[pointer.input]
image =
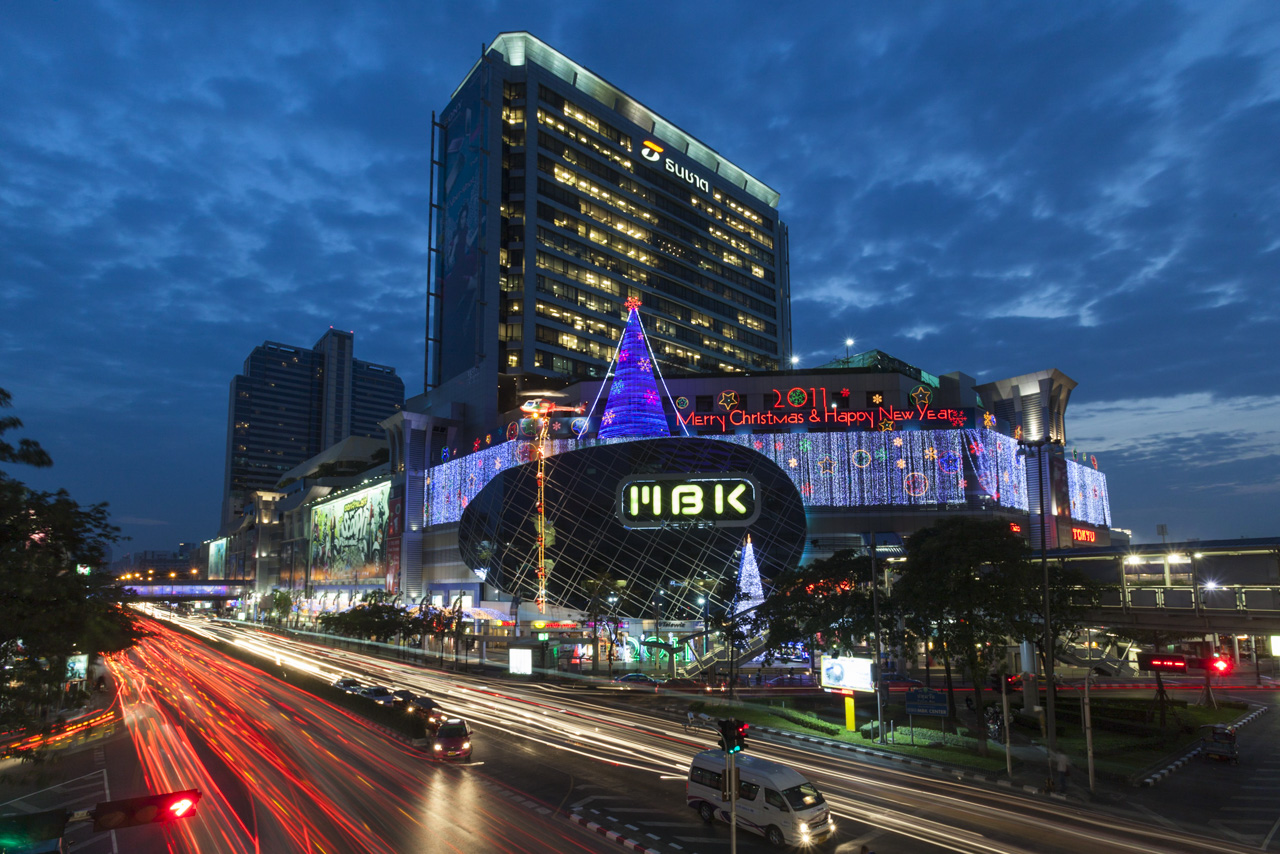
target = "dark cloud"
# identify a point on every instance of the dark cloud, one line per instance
(993, 190)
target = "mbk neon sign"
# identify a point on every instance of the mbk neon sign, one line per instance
(660, 501)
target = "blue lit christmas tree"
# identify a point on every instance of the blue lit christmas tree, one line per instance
(750, 590)
(635, 407)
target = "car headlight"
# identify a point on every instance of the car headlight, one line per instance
(804, 828)
(466, 745)
(437, 747)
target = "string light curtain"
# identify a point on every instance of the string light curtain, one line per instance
(842, 470)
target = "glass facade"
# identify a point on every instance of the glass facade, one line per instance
(597, 199)
(663, 569)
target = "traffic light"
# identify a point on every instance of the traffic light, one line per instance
(1162, 663)
(728, 732)
(739, 737)
(21, 831)
(1218, 666)
(148, 809)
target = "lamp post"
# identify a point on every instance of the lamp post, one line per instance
(848, 342)
(875, 671)
(1041, 474)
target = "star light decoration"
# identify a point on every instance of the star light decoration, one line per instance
(827, 466)
(728, 399)
(877, 399)
(921, 396)
(931, 453)
(886, 425)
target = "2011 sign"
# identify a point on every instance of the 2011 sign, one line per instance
(728, 500)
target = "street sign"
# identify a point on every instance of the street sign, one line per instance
(926, 701)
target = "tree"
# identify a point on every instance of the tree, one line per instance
(601, 587)
(964, 577)
(378, 620)
(49, 610)
(1071, 595)
(824, 605)
(1156, 640)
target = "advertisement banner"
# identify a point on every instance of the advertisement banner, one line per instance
(217, 559)
(847, 673)
(463, 142)
(349, 538)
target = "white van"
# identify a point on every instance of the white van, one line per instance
(774, 801)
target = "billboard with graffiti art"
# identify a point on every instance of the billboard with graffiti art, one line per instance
(348, 538)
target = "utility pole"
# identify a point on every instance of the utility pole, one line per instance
(875, 611)
(1042, 473)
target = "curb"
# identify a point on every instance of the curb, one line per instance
(612, 835)
(949, 770)
(1156, 777)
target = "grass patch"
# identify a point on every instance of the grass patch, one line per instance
(948, 748)
(1125, 754)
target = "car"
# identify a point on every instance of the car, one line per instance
(895, 683)
(380, 694)
(637, 680)
(692, 686)
(452, 740)
(417, 704)
(793, 680)
(346, 683)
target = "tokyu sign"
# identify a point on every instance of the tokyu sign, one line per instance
(682, 500)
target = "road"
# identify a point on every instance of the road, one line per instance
(282, 771)
(623, 767)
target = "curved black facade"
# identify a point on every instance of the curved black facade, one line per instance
(497, 534)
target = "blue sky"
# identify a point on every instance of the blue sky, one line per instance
(994, 188)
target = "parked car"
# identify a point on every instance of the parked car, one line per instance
(452, 740)
(346, 683)
(380, 694)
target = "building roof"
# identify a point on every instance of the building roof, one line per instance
(518, 48)
(353, 449)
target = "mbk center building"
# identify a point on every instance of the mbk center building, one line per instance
(606, 418)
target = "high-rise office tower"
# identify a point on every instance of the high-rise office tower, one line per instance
(558, 197)
(291, 403)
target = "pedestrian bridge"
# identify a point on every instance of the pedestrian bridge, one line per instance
(1199, 586)
(190, 591)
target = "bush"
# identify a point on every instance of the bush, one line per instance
(808, 723)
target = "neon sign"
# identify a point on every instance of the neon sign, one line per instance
(1084, 535)
(810, 405)
(1015, 527)
(679, 500)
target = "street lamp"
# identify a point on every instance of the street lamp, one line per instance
(795, 360)
(848, 342)
(1042, 472)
